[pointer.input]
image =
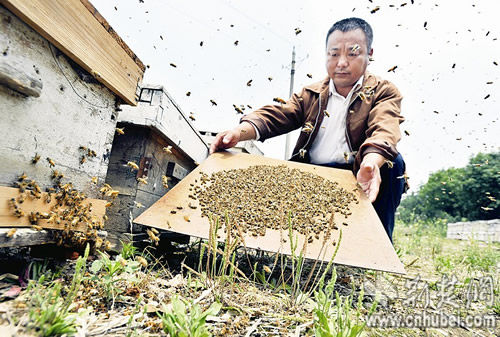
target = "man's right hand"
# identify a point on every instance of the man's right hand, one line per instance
(225, 140)
(228, 139)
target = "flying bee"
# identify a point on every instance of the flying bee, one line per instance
(269, 78)
(407, 133)
(309, 75)
(236, 42)
(173, 65)
(238, 109)
(191, 117)
(279, 100)
(393, 69)
(298, 31)
(214, 103)
(389, 163)
(120, 131)
(355, 48)
(143, 180)
(133, 165)
(267, 269)
(152, 236)
(308, 128)
(11, 232)
(377, 9)
(138, 204)
(35, 159)
(302, 153)
(112, 193)
(486, 208)
(168, 149)
(249, 83)
(51, 162)
(327, 114)
(346, 157)
(155, 231)
(188, 93)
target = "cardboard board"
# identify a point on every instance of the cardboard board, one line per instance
(364, 241)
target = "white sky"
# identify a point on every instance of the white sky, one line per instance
(164, 32)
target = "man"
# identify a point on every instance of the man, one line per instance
(350, 120)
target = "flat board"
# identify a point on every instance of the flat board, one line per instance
(70, 26)
(8, 219)
(364, 241)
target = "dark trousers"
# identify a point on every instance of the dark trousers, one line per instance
(389, 195)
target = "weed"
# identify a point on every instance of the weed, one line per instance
(178, 322)
(128, 250)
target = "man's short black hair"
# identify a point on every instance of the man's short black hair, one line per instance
(346, 25)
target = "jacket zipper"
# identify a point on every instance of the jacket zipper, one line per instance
(315, 124)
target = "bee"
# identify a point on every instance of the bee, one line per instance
(94, 180)
(11, 232)
(138, 204)
(279, 100)
(82, 148)
(425, 24)
(389, 163)
(48, 198)
(168, 149)
(298, 31)
(373, 11)
(191, 117)
(35, 159)
(236, 42)
(188, 93)
(238, 109)
(164, 181)
(345, 224)
(249, 83)
(326, 113)
(91, 153)
(487, 96)
(486, 208)
(191, 206)
(173, 65)
(120, 131)
(407, 133)
(346, 157)
(22, 177)
(108, 204)
(143, 180)
(132, 165)
(142, 261)
(269, 78)
(18, 212)
(98, 242)
(309, 75)
(107, 245)
(393, 69)
(21, 198)
(112, 193)
(152, 236)
(267, 269)
(214, 103)
(308, 128)
(51, 162)
(36, 227)
(302, 153)
(201, 43)
(154, 230)
(355, 48)
(83, 159)
(173, 211)
(362, 95)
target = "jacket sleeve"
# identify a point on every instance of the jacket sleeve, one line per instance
(278, 119)
(383, 132)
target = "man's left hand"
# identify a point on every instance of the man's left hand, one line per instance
(369, 175)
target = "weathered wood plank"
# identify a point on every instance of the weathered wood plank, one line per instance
(8, 219)
(19, 81)
(70, 26)
(23, 237)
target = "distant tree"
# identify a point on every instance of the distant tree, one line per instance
(471, 192)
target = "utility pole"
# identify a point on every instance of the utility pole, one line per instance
(292, 74)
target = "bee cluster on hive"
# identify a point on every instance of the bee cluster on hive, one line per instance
(262, 196)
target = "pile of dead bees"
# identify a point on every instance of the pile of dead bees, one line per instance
(264, 196)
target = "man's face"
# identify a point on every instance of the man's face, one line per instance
(346, 57)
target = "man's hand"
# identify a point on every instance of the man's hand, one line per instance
(369, 175)
(228, 139)
(225, 140)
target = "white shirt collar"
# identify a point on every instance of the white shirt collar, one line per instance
(358, 84)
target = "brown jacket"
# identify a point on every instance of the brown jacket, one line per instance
(372, 120)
